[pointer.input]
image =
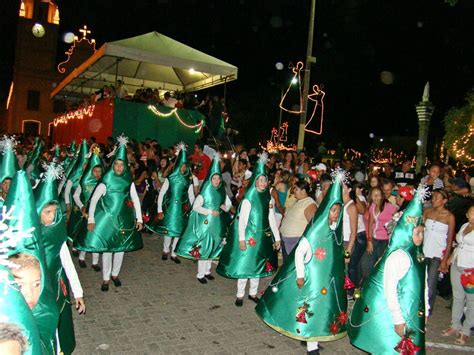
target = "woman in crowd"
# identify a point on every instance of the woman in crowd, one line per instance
(462, 276)
(297, 217)
(288, 163)
(279, 193)
(439, 234)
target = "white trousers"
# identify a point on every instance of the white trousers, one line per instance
(242, 283)
(95, 257)
(167, 244)
(107, 268)
(204, 268)
(312, 345)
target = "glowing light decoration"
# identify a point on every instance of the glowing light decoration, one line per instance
(10, 94)
(277, 137)
(174, 112)
(317, 96)
(296, 77)
(76, 41)
(74, 115)
(460, 144)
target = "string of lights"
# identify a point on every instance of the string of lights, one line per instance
(317, 96)
(74, 115)
(296, 78)
(174, 112)
(76, 41)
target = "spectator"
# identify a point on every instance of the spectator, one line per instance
(459, 201)
(121, 91)
(200, 161)
(169, 101)
(432, 181)
(405, 175)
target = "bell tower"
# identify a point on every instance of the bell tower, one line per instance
(29, 108)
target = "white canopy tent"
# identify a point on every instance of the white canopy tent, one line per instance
(152, 61)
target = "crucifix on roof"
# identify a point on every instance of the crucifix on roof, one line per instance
(85, 31)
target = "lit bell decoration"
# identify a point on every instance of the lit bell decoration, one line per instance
(324, 291)
(122, 232)
(348, 284)
(420, 257)
(421, 313)
(274, 289)
(407, 347)
(357, 294)
(206, 221)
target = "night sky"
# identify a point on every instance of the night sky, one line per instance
(355, 40)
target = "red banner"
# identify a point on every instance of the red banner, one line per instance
(94, 120)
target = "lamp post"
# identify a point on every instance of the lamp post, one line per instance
(307, 76)
(424, 110)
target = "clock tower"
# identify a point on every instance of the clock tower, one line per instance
(29, 108)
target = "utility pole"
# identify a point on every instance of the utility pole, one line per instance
(307, 76)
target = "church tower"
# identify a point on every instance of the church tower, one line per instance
(29, 108)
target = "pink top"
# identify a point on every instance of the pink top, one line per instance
(380, 219)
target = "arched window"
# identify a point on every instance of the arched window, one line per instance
(31, 127)
(26, 8)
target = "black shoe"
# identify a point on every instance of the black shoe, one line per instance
(104, 287)
(82, 264)
(254, 298)
(96, 267)
(203, 280)
(239, 302)
(176, 260)
(75, 252)
(209, 277)
(164, 257)
(313, 352)
(116, 281)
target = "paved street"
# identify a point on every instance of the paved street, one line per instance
(161, 308)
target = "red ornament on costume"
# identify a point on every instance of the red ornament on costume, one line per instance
(342, 318)
(268, 266)
(320, 254)
(348, 284)
(334, 328)
(196, 252)
(251, 242)
(129, 203)
(407, 347)
(185, 207)
(146, 218)
(313, 174)
(63, 286)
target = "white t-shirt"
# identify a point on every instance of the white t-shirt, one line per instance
(436, 237)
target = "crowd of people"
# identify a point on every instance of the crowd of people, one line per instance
(348, 232)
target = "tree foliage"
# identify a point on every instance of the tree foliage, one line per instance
(459, 128)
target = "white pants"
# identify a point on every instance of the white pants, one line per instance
(167, 244)
(312, 345)
(107, 268)
(242, 283)
(95, 257)
(204, 268)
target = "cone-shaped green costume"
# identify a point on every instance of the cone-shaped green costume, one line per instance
(371, 327)
(75, 177)
(46, 311)
(33, 164)
(259, 259)
(54, 237)
(15, 312)
(9, 165)
(176, 203)
(70, 160)
(115, 220)
(317, 311)
(202, 238)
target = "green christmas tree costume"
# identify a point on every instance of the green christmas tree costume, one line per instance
(33, 163)
(202, 238)
(176, 203)
(371, 327)
(68, 163)
(259, 259)
(115, 223)
(9, 163)
(318, 310)
(54, 237)
(13, 308)
(75, 218)
(45, 311)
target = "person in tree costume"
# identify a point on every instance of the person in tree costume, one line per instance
(8, 166)
(33, 164)
(114, 219)
(89, 180)
(24, 217)
(389, 313)
(68, 164)
(207, 225)
(58, 260)
(253, 238)
(306, 300)
(72, 182)
(174, 202)
(18, 329)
